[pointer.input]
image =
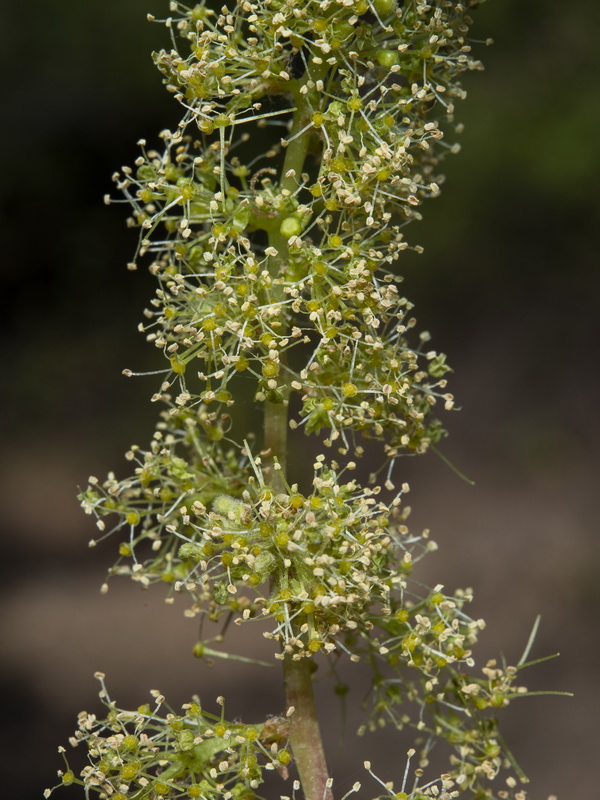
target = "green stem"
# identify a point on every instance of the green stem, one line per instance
(275, 427)
(297, 150)
(305, 733)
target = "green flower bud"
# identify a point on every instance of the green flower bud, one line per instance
(190, 552)
(384, 7)
(185, 739)
(290, 226)
(68, 778)
(229, 507)
(264, 565)
(388, 58)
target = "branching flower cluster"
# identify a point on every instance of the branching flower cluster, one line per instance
(272, 218)
(279, 276)
(195, 754)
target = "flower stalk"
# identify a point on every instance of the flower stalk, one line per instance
(305, 734)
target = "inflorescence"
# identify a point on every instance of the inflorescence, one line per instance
(272, 218)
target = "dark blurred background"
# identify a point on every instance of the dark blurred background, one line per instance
(508, 286)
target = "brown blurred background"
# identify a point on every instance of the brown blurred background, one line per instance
(508, 286)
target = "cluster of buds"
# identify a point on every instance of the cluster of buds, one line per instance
(272, 218)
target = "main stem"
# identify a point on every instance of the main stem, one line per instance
(305, 733)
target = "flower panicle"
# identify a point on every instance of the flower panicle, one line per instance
(273, 218)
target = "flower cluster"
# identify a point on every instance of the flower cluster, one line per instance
(142, 754)
(272, 218)
(283, 275)
(278, 281)
(313, 562)
(443, 699)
